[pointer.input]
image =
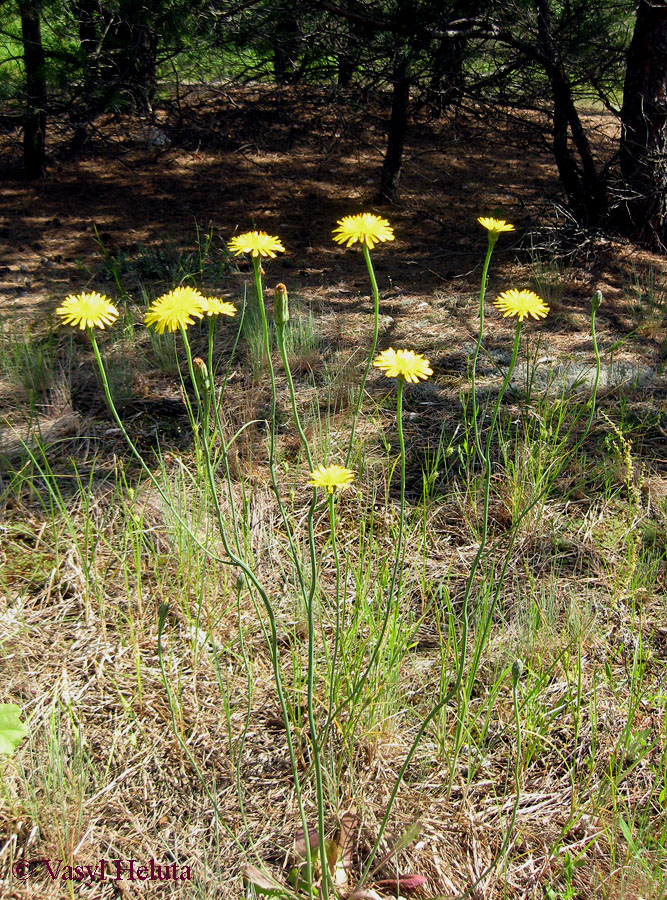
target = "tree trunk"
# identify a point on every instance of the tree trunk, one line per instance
(585, 187)
(34, 127)
(285, 47)
(398, 126)
(131, 58)
(447, 81)
(643, 150)
(346, 67)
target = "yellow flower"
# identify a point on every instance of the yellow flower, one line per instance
(403, 364)
(521, 304)
(366, 228)
(495, 226)
(259, 243)
(331, 477)
(175, 309)
(87, 310)
(215, 307)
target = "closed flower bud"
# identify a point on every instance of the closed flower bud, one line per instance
(517, 669)
(280, 305)
(596, 300)
(201, 374)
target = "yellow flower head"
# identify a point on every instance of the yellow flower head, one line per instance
(403, 364)
(521, 304)
(87, 310)
(215, 307)
(495, 226)
(258, 243)
(331, 477)
(175, 309)
(366, 228)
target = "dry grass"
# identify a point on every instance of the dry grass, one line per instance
(120, 765)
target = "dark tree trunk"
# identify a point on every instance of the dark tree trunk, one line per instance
(585, 187)
(34, 127)
(88, 15)
(346, 67)
(447, 82)
(643, 151)
(286, 47)
(132, 59)
(398, 126)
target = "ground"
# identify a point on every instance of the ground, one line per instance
(142, 206)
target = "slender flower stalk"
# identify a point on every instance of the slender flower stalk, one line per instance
(336, 646)
(333, 478)
(281, 317)
(374, 341)
(367, 230)
(455, 688)
(236, 560)
(494, 227)
(259, 244)
(399, 367)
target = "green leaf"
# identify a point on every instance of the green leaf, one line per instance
(627, 832)
(12, 730)
(408, 837)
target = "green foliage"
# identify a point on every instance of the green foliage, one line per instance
(12, 730)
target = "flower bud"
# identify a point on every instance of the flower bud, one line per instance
(201, 374)
(517, 669)
(280, 305)
(596, 300)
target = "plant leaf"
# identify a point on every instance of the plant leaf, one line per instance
(404, 882)
(349, 825)
(12, 730)
(263, 883)
(410, 835)
(300, 844)
(627, 832)
(331, 850)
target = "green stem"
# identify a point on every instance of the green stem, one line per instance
(310, 611)
(334, 655)
(280, 332)
(272, 425)
(139, 458)
(257, 268)
(492, 243)
(454, 690)
(369, 361)
(316, 747)
(250, 575)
